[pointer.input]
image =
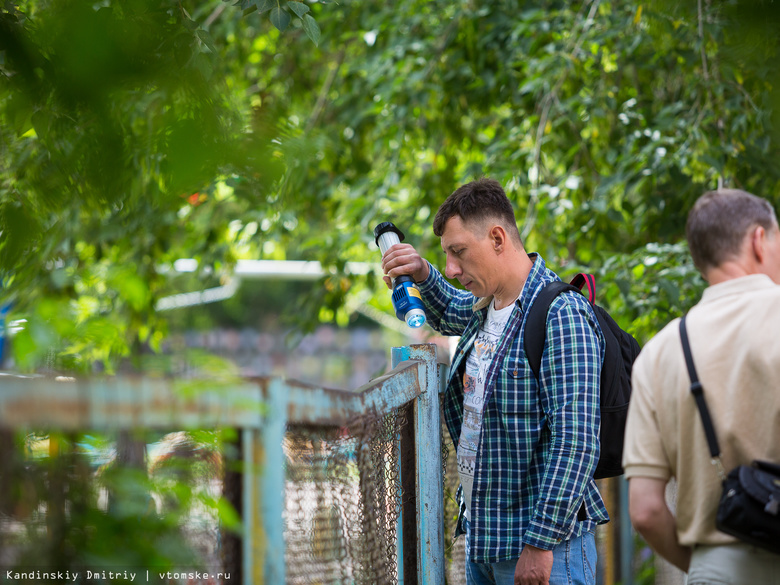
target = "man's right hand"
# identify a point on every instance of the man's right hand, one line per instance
(403, 259)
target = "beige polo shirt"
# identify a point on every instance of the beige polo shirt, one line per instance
(734, 333)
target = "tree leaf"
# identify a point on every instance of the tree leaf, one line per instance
(298, 8)
(311, 28)
(280, 18)
(206, 39)
(19, 230)
(264, 6)
(189, 23)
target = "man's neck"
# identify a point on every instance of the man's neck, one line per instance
(728, 271)
(518, 266)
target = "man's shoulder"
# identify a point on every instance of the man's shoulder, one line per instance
(570, 304)
(660, 345)
(571, 297)
(542, 276)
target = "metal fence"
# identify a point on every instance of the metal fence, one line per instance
(335, 486)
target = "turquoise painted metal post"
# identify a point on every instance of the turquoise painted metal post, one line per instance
(430, 478)
(251, 537)
(273, 475)
(264, 474)
(429, 472)
(398, 355)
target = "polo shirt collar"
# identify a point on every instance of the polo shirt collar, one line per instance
(737, 286)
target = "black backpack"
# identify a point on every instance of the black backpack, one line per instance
(615, 388)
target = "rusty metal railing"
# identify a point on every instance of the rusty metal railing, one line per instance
(262, 409)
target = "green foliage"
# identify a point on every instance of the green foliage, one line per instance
(650, 287)
(102, 516)
(644, 571)
(170, 130)
(123, 155)
(280, 14)
(605, 121)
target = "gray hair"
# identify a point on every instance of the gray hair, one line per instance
(720, 220)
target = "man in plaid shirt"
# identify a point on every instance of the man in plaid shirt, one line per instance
(526, 448)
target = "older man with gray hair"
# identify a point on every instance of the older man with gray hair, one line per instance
(734, 240)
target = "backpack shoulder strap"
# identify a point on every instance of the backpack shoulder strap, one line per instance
(586, 280)
(535, 333)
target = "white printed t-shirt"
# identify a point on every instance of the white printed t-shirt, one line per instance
(477, 365)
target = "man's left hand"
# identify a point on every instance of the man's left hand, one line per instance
(534, 566)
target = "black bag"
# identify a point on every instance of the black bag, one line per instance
(615, 386)
(749, 506)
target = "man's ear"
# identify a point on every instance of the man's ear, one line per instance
(758, 244)
(498, 237)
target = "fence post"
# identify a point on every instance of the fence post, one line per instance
(430, 478)
(264, 475)
(406, 527)
(626, 535)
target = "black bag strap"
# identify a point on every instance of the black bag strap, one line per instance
(698, 393)
(536, 323)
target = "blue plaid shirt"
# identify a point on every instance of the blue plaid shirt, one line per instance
(539, 443)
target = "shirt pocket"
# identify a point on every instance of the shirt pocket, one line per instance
(517, 394)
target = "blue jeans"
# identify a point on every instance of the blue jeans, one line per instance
(574, 563)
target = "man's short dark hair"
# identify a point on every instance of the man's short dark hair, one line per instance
(720, 220)
(478, 201)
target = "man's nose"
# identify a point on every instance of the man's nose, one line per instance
(452, 269)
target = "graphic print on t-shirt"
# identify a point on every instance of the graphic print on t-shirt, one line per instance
(477, 366)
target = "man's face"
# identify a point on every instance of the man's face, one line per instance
(470, 256)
